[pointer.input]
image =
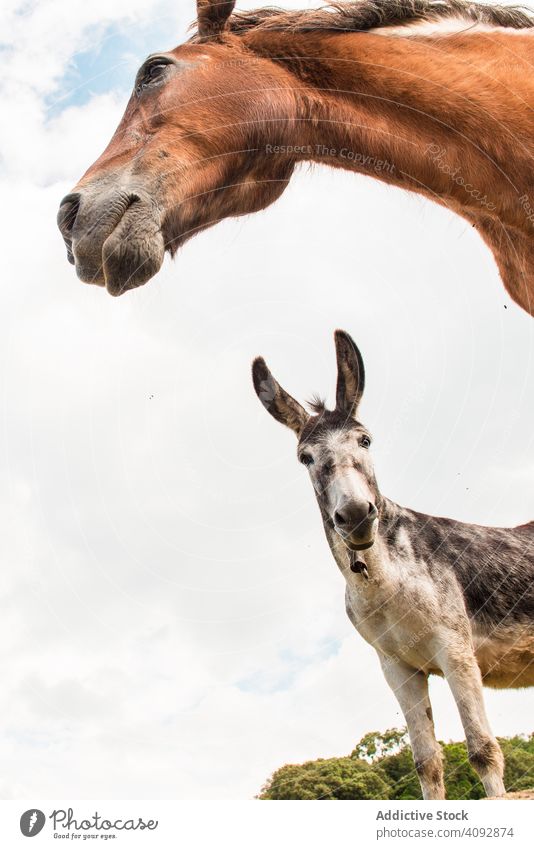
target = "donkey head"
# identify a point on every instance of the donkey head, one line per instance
(186, 154)
(333, 445)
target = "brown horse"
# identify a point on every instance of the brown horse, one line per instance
(434, 97)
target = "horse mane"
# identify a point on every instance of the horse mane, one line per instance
(373, 14)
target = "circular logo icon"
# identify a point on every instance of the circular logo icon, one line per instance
(32, 822)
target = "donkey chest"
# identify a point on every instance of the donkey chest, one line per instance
(397, 619)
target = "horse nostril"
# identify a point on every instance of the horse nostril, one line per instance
(68, 210)
(373, 512)
(339, 519)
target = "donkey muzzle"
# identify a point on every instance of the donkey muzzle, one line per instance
(355, 522)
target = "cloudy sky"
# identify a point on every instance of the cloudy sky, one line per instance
(172, 621)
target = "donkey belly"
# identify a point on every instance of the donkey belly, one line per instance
(506, 656)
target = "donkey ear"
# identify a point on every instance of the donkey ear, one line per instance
(276, 401)
(350, 374)
(212, 16)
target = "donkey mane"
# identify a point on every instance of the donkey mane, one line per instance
(371, 14)
(317, 405)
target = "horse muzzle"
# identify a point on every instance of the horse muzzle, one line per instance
(113, 238)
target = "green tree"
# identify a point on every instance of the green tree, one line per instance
(336, 778)
(399, 773)
(374, 745)
(392, 756)
(381, 767)
(519, 757)
(461, 781)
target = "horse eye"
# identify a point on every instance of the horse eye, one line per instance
(306, 459)
(365, 442)
(151, 73)
(154, 71)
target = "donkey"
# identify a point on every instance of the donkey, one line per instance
(432, 96)
(432, 596)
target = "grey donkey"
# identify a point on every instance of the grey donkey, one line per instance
(433, 596)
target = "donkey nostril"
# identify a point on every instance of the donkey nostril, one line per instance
(68, 210)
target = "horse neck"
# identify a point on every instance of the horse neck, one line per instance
(446, 119)
(398, 99)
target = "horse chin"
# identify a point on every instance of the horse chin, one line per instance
(87, 274)
(132, 254)
(121, 254)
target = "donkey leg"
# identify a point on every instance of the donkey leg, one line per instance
(411, 689)
(463, 676)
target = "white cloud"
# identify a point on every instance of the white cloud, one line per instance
(144, 654)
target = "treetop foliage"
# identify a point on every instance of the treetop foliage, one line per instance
(381, 767)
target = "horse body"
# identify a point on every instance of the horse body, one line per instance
(216, 127)
(433, 596)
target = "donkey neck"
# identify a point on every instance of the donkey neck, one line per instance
(446, 118)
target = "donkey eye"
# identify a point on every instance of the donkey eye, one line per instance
(365, 442)
(306, 459)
